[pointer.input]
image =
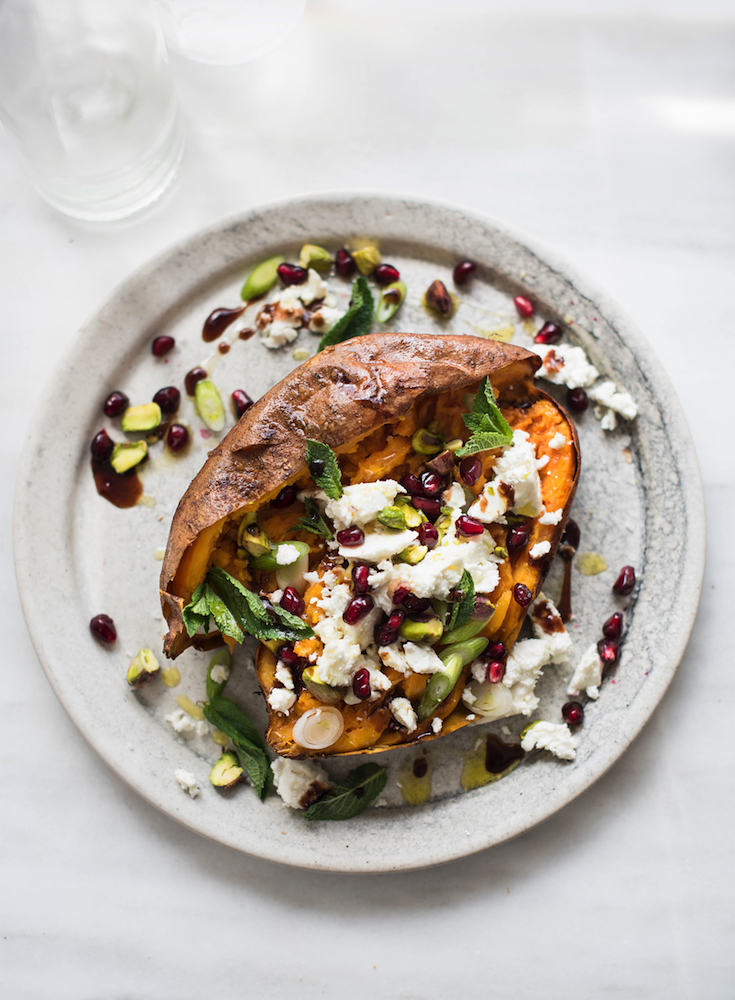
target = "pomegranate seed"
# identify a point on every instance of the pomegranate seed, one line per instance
(518, 537)
(286, 497)
(395, 620)
(613, 627)
(115, 404)
(177, 437)
(416, 605)
(316, 468)
(288, 656)
(522, 595)
(292, 601)
(411, 484)
(432, 508)
(495, 671)
(240, 402)
(292, 274)
(361, 683)
(386, 274)
(162, 345)
(351, 537)
(572, 713)
(609, 651)
(524, 307)
(104, 628)
(549, 333)
(357, 609)
(101, 447)
(470, 469)
(431, 484)
(577, 400)
(168, 399)
(469, 526)
(345, 264)
(386, 632)
(496, 651)
(625, 581)
(360, 575)
(463, 272)
(428, 534)
(400, 594)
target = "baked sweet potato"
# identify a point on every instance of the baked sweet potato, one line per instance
(381, 403)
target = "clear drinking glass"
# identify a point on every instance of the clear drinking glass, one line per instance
(87, 97)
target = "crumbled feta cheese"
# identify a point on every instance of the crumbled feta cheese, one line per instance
(281, 700)
(455, 496)
(564, 364)
(542, 462)
(361, 502)
(607, 395)
(393, 656)
(515, 484)
(551, 516)
(539, 549)
(558, 441)
(436, 725)
(379, 545)
(312, 289)
(187, 781)
(286, 554)
(479, 670)
(587, 674)
(523, 669)
(340, 659)
(422, 659)
(296, 781)
(556, 737)
(468, 697)
(558, 642)
(324, 319)
(275, 597)
(284, 675)
(277, 334)
(184, 724)
(220, 673)
(608, 421)
(404, 713)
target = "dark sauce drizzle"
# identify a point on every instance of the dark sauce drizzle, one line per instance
(217, 322)
(122, 491)
(499, 756)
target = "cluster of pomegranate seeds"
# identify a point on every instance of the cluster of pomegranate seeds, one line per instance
(360, 574)
(292, 601)
(524, 307)
(351, 537)
(292, 274)
(432, 508)
(496, 651)
(428, 534)
(469, 525)
(344, 264)
(101, 447)
(549, 333)
(361, 684)
(287, 655)
(357, 609)
(386, 274)
(495, 671)
(168, 399)
(518, 537)
(416, 605)
(609, 651)
(177, 437)
(162, 345)
(463, 272)
(470, 469)
(400, 594)
(522, 595)
(286, 497)
(613, 627)
(103, 627)
(572, 713)
(577, 400)
(115, 404)
(386, 632)
(625, 582)
(240, 402)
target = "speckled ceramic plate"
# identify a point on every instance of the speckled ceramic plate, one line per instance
(639, 502)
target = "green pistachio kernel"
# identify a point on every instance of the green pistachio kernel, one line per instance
(390, 301)
(367, 259)
(141, 418)
(143, 668)
(316, 257)
(261, 279)
(127, 455)
(426, 442)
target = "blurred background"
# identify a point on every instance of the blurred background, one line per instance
(605, 128)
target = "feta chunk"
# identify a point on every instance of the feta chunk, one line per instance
(558, 441)
(523, 669)
(551, 516)
(284, 675)
(281, 700)
(187, 781)
(436, 725)
(556, 737)
(379, 545)
(607, 395)
(539, 549)
(286, 554)
(299, 782)
(565, 364)
(608, 421)
(324, 319)
(277, 334)
(220, 673)
(588, 674)
(422, 659)
(515, 484)
(557, 639)
(404, 713)
(183, 723)
(361, 502)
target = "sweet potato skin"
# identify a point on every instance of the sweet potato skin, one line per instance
(340, 395)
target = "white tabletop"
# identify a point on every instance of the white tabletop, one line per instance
(605, 129)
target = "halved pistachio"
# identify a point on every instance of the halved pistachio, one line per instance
(422, 631)
(440, 300)
(251, 537)
(141, 418)
(324, 692)
(427, 442)
(227, 771)
(390, 301)
(127, 454)
(261, 279)
(143, 668)
(393, 517)
(316, 257)
(209, 404)
(367, 259)
(413, 554)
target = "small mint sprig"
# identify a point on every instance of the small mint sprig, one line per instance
(351, 795)
(489, 427)
(324, 468)
(356, 321)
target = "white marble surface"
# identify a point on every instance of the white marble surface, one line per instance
(606, 129)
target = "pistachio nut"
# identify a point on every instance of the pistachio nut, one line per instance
(413, 554)
(316, 257)
(390, 301)
(127, 455)
(227, 771)
(426, 442)
(251, 537)
(209, 404)
(422, 631)
(393, 517)
(324, 692)
(367, 259)
(143, 668)
(261, 279)
(141, 418)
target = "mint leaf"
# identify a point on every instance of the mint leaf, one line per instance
(356, 321)
(489, 427)
(196, 614)
(314, 520)
(330, 480)
(464, 602)
(252, 614)
(206, 604)
(231, 711)
(253, 758)
(351, 795)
